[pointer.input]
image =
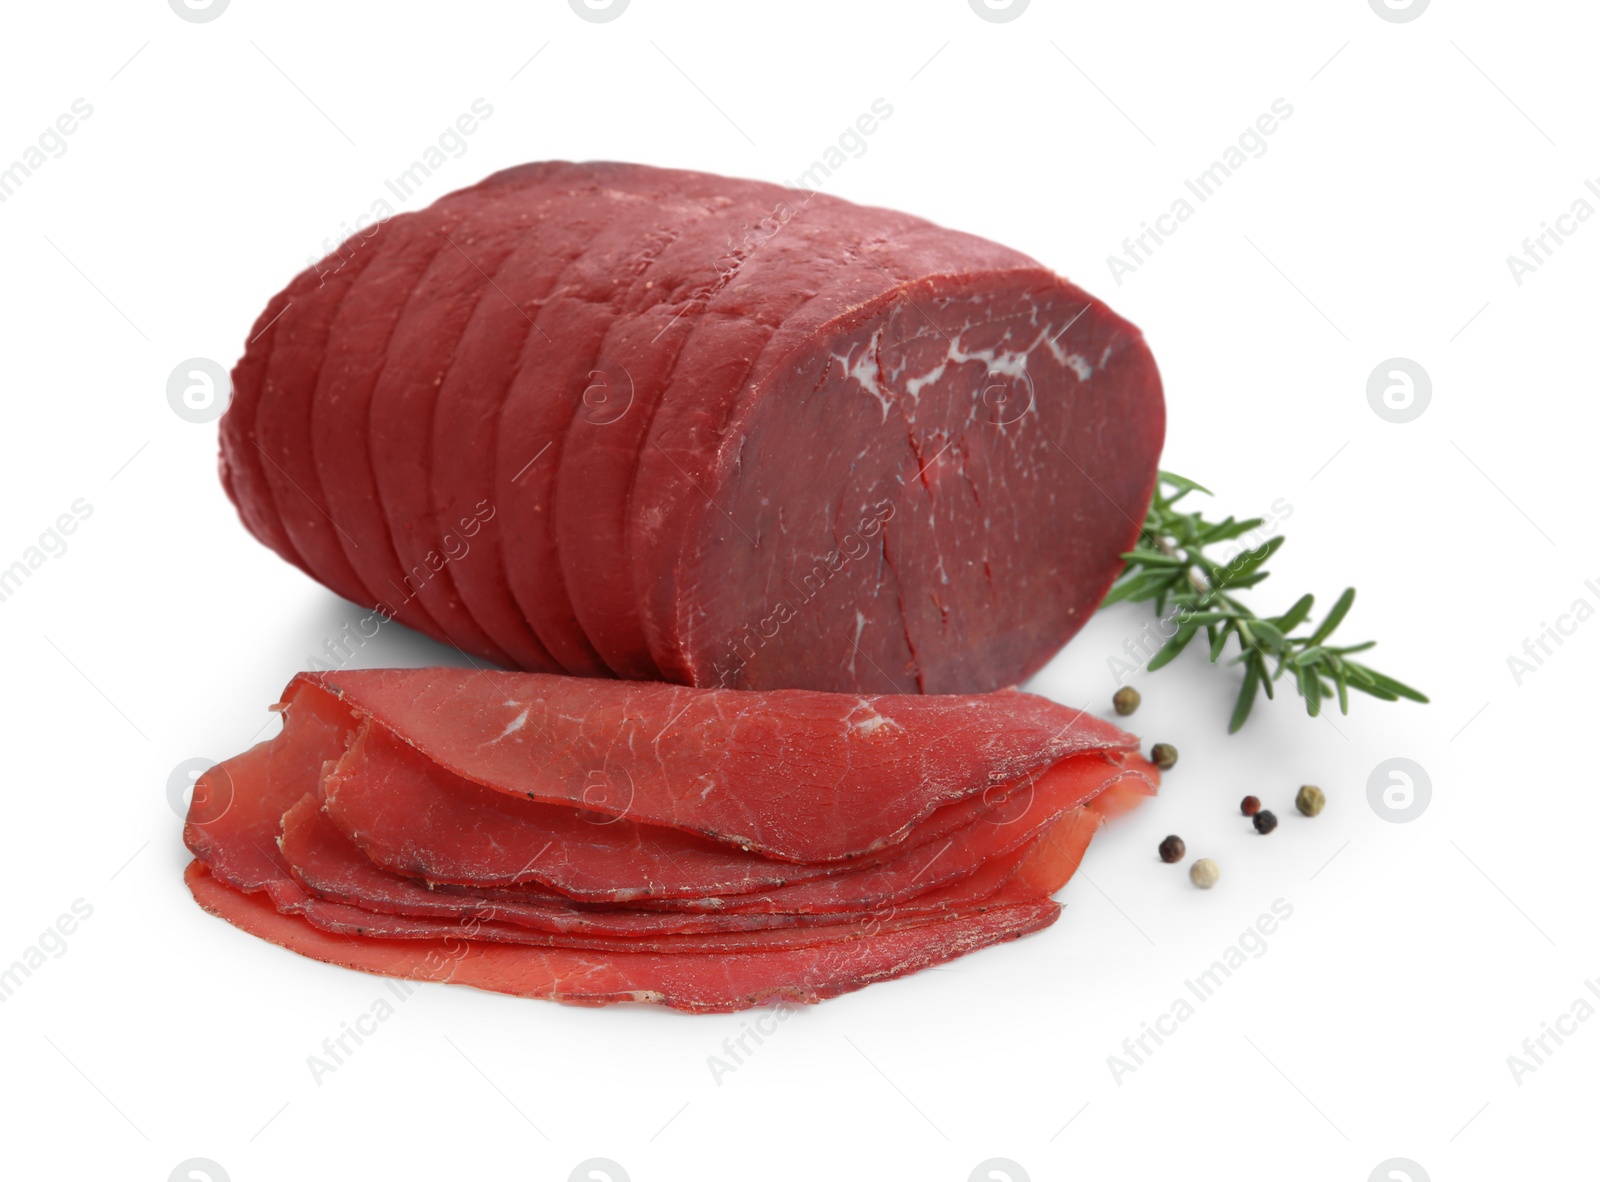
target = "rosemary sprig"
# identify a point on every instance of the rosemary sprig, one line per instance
(1170, 568)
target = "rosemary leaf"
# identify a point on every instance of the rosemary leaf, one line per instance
(1170, 568)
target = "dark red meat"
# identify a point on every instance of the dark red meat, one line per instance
(703, 429)
(984, 806)
(794, 774)
(707, 983)
(236, 812)
(416, 818)
(412, 817)
(328, 865)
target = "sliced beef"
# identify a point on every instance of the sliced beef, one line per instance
(326, 864)
(714, 431)
(878, 885)
(426, 342)
(417, 819)
(341, 826)
(351, 921)
(358, 348)
(651, 350)
(707, 984)
(241, 464)
(475, 421)
(605, 242)
(236, 812)
(793, 774)
(283, 420)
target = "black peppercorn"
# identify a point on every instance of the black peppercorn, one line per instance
(1265, 821)
(1172, 848)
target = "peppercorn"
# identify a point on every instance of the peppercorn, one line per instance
(1265, 822)
(1172, 848)
(1250, 806)
(1204, 874)
(1310, 800)
(1125, 700)
(1164, 755)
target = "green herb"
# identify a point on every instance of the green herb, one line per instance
(1170, 569)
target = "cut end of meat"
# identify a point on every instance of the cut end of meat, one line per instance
(980, 450)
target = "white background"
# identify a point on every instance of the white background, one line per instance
(220, 156)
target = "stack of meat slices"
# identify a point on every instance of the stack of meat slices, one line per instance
(595, 841)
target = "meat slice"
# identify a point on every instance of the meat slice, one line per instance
(1064, 787)
(462, 275)
(1046, 861)
(338, 827)
(357, 351)
(236, 812)
(283, 418)
(327, 865)
(704, 984)
(600, 233)
(240, 463)
(419, 820)
(351, 921)
(743, 436)
(630, 932)
(792, 774)
(500, 355)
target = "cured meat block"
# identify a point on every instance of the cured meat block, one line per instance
(616, 420)
(441, 824)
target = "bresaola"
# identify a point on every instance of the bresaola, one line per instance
(793, 774)
(612, 420)
(601, 422)
(472, 826)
